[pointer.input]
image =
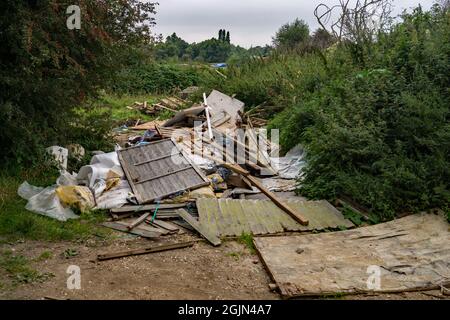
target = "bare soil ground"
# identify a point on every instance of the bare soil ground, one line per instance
(200, 272)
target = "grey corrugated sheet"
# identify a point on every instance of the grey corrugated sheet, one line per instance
(159, 186)
(228, 217)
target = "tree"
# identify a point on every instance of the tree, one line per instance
(227, 39)
(292, 35)
(222, 34)
(321, 39)
(47, 69)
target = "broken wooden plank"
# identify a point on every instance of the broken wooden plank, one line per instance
(410, 253)
(212, 238)
(138, 221)
(157, 105)
(162, 224)
(146, 250)
(145, 232)
(148, 207)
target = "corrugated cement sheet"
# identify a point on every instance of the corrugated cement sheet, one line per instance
(158, 170)
(228, 217)
(411, 253)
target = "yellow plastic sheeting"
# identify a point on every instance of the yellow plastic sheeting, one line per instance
(76, 197)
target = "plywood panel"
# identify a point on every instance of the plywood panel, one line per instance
(411, 253)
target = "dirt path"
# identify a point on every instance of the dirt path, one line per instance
(200, 272)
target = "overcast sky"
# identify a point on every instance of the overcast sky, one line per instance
(250, 22)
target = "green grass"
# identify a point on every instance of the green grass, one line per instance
(18, 223)
(19, 269)
(118, 106)
(234, 255)
(247, 240)
(45, 255)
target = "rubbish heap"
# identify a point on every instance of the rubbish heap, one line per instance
(211, 170)
(199, 169)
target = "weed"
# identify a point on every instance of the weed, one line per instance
(235, 255)
(45, 255)
(247, 240)
(352, 215)
(70, 253)
(18, 267)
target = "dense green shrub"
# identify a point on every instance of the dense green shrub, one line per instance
(376, 127)
(154, 78)
(47, 69)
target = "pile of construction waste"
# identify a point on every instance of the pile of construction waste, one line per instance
(211, 171)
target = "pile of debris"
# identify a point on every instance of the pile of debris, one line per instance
(194, 171)
(171, 104)
(211, 170)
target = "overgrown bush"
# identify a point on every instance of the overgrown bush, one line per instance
(375, 127)
(46, 69)
(154, 78)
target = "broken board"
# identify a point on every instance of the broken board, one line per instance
(142, 230)
(228, 217)
(158, 170)
(194, 223)
(410, 254)
(219, 102)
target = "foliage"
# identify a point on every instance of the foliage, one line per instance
(211, 50)
(247, 240)
(292, 35)
(375, 123)
(47, 69)
(154, 78)
(18, 267)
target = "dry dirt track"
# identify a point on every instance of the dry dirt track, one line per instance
(199, 272)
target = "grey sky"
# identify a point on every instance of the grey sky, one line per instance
(250, 22)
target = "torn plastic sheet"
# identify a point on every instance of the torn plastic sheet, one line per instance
(114, 198)
(291, 165)
(279, 185)
(98, 169)
(44, 201)
(60, 154)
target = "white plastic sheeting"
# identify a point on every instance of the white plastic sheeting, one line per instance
(98, 169)
(94, 176)
(45, 201)
(60, 155)
(291, 165)
(114, 198)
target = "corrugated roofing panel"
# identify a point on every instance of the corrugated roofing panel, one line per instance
(229, 217)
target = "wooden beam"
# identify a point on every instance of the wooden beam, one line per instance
(148, 207)
(138, 221)
(163, 175)
(146, 250)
